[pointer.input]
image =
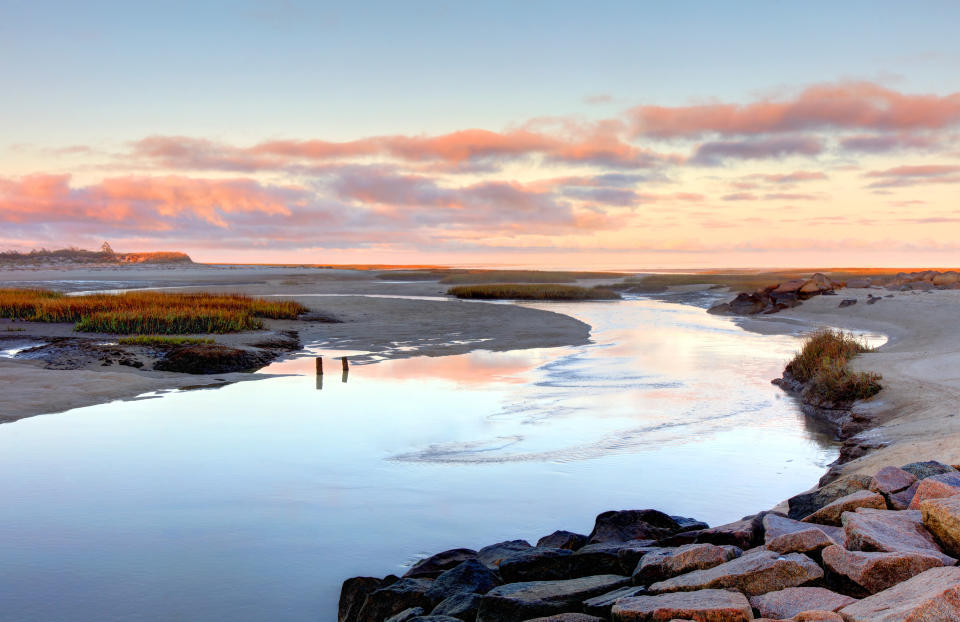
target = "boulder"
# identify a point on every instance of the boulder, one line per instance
(791, 286)
(522, 601)
(462, 606)
(470, 577)
(936, 487)
(631, 554)
(891, 479)
(902, 500)
(667, 563)
(744, 533)
(755, 572)
(793, 600)
(610, 557)
(562, 540)
(891, 531)
(777, 525)
(624, 525)
(406, 615)
(352, 595)
(858, 283)
(946, 279)
(492, 555)
(808, 541)
(433, 618)
(701, 605)
(862, 573)
(567, 617)
(923, 470)
(807, 503)
(931, 596)
(435, 565)
(392, 599)
(537, 564)
(689, 524)
(830, 513)
(746, 304)
(600, 605)
(941, 517)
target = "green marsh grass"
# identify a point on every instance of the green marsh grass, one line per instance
(822, 364)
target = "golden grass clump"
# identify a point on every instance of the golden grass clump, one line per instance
(513, 291)
(162, 341)
(822, 365)
(147, 312)
(523, 276)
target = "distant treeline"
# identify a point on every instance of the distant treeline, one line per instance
(81, 256)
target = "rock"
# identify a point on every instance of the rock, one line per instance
(902, 500)
(931, 596)
(791, 286)
(392, 599)
(891, 531)
(667, 563)
(858, 283)
(803, 505)
(809, 541)
(941, 517)
(462, 606)
(830, 513)
(847, 302)
(610, 557)
(689, 524)
(746, 304)
(793, 600)
(890, 479)
(936, 487)
(630, 554)
(470, 577)
(406, 615)
(873, 300)
(522, 601)
(212, 359)
(600, 605)
(352, 595)
(623, 525)
(701, 605)
(568, 617)
(946, 279)
(776, 526)
(435, 565)
(493, 554)
(536, 564)
(923, 470)
(563, 540)
(722, 308)
(813, 615)
(433, 618)
(745, 534)
(755, 572)
(862, 573)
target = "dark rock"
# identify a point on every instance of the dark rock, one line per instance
(435, 565)
(745, 534)
(747, 304)
(462, 606)
(623, 525)
(755, 572)
(902, 500)
(601, 605)
(722, 308)
(492, 555)
(890, 479)
(830, 513)
(803, 505)
(923, 470)
(212, 359)
(567, 617)
(406, 615)
(703, 605)
(536, 564)
(667, 563)
(931, 596)
(563, 540)
(787, 603)
(936, 487)
(392, 599)
(433, 618)
(522, 601)
(941, 517)
(469, 577)
(609, 557)
(352, 595)
(847, 302)
(631, 554)
(689, 524)
(861, 573)
(891, 531)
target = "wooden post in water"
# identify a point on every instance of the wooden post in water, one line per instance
(319, 365)
(346, 365)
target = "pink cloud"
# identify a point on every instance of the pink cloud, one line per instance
(900, 176)
(789, 178)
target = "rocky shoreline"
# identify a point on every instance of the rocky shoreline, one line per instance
(859, 549)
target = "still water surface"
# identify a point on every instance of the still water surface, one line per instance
(255, 500)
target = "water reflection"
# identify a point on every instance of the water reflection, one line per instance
(256, 500)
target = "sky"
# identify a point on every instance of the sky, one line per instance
(550, 134)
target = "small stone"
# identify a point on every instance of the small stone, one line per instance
(847, 302)
(492, 555)
(471, 577)
(941, 517)
(891, 479)
(623, 525)
(830, 513)
(923, 470)
(931, 596)
(891, 531)
(701, 605)
(862, 573)
(936, 487)
(562, 540)
(793, 600)
(756, 572)
(667, 563)
(435, 565)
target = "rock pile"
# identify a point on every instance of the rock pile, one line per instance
(778, 297)
(861, 549)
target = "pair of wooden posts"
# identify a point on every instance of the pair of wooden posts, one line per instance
(343, 377)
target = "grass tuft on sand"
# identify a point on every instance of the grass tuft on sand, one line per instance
(147, 313)
(822, 365)
(514, 291)
(162, 341)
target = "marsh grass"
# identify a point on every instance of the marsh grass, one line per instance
(147, 313)
(162, 341)
(523, 276)
(822, 364)
(516, 291)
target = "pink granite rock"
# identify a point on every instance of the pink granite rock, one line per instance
(793, 600)
(830, 514)
(931, 596)
(700, 605)
(864, 573)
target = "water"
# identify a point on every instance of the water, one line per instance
(255, 500)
